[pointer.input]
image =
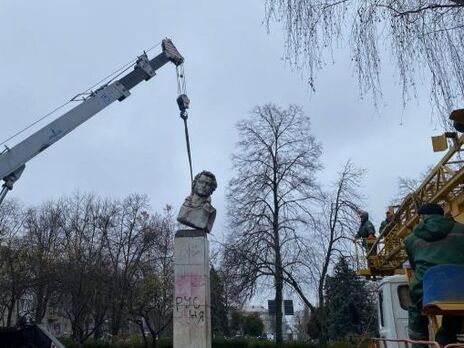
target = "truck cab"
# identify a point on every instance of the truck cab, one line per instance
(392, 307)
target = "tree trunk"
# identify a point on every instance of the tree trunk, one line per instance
(278, 256)
(278, 302)
(11, 306)
(10, 312)
(322, 318)
(98, 333)
(278, 266)
(322, 321)
(154, 342)
(142, 331)
(144, 337)
(116, 320)
(38, 306)
(43, 295)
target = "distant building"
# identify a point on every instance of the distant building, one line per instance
(54, 321)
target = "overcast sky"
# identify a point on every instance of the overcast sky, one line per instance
(52, 50)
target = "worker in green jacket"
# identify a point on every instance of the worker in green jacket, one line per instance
(388, 219)
(436, 240)
(366, 230)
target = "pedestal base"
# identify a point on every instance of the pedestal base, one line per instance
(192, 311)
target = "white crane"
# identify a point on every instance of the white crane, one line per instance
(13, 160)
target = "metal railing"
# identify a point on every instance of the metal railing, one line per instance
(375, 343)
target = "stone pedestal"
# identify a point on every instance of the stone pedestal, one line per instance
(192, 311)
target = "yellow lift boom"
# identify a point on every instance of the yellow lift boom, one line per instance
(444, 185)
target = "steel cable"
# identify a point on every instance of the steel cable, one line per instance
(117, 73)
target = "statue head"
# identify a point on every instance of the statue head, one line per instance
(204, 184)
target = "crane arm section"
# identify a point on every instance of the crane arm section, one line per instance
(13, 160)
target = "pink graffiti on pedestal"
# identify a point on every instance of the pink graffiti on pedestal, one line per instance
(190, 297)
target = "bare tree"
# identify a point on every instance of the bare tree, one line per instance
(11, 218)
(43, 239)
(89, 260)
(269, 197)
(424, 37)
(333, 235)
(126, 244)
(407, 186)
(151, 294)
(14, 268)
(83, 270)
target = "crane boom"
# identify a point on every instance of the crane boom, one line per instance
(13, 160)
